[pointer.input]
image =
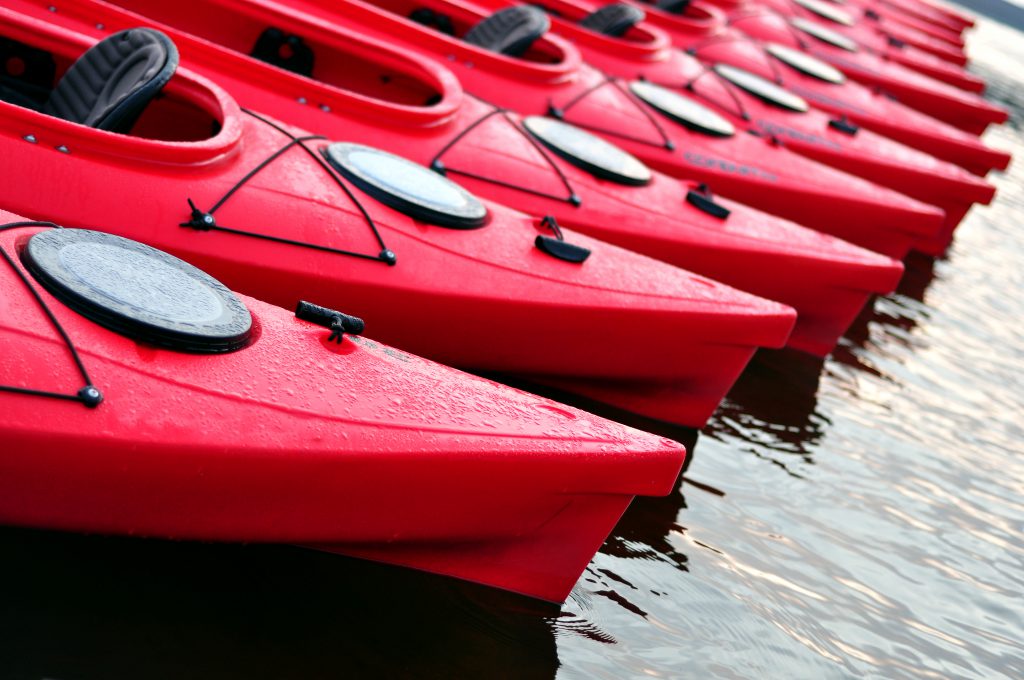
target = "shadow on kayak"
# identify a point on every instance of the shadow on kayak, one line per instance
(91, 608)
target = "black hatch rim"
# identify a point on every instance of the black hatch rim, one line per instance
(806, 64)
(589, 152)
(137, 291)
(686, 112)
(824, 34)
(763, 89)
(826, 11)
(406, 186)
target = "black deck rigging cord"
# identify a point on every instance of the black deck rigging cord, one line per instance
(89, 395)
(205, 221)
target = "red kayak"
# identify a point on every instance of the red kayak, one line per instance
(682, 223)
(964, 110)
(890, 49)
(129, 378)
(280, 214)
(645, 53)
(816, 82)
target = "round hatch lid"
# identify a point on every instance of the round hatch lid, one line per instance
(763, 89)
(686, 112)
(137, 291)
(806, 64)
(589, 152)
(824, 34)
(407, 187)
(826, 11)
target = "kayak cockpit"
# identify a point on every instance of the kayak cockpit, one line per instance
(140, 101)
(519, 32)
(357, 67)
(699, 17)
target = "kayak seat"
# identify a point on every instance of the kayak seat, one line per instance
(284, 50)
(436, 20)
(613, 20)
(672, 6)
(26, 74)
(109, 86)
(509, 31)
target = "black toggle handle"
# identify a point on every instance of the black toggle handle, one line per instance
(557, 247)
(702, 199)
(337, 322)
(844, 125)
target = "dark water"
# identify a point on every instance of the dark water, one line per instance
(861, 516)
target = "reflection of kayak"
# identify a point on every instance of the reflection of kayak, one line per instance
(868, 109)
(965, 110)
(266, 431)
(826, 280)
(291, 225)
(647, 54)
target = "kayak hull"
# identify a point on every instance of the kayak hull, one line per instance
(294, 438)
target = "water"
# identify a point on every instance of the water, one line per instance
(861, 516)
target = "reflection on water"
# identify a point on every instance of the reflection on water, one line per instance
(861, 515)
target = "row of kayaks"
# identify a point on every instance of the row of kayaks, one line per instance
(621, 202)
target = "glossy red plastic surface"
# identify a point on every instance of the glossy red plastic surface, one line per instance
(868, 109)
(475, 298)
(358, 446)
(825, 279)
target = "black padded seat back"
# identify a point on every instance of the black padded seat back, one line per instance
(613, 20)
(509, 31)
(284, 50)
(673, 6)
(113, 81)
(26, 74)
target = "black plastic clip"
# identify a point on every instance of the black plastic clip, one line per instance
(338, 323)
(555, 112)
(557, 247)
(203, 221)
(844, 125)
(702, 199)
(90, 396)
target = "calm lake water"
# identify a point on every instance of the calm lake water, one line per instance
(861, 516)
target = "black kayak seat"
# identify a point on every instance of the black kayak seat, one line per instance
(284, 50)
(26, 74)
(509, 31)
(428, 17)
(613, 20)
(109, 86)
(673, 6)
